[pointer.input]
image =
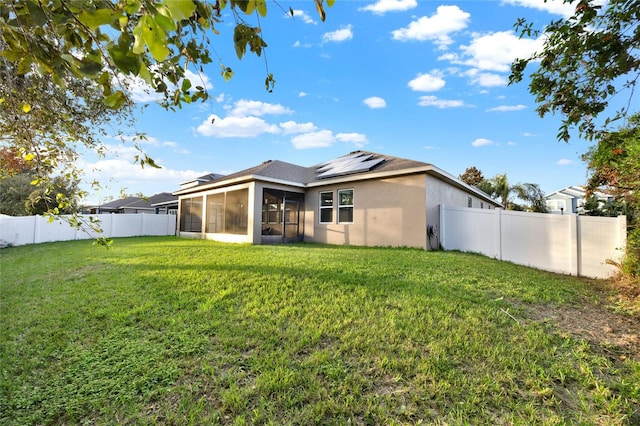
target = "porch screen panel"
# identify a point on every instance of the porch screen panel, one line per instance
(235, 212)
(272, 200)
(215, 213)
(191, 215)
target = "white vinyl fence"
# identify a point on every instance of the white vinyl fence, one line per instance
(567, 244)
(18, 231)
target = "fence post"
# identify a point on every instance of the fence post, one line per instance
(574, 245)
(622, 235)
(36, 229)
(498, 233)
(443, 231)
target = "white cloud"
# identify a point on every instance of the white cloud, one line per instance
(555, 7)
(358, 139)
(235, 127)
(304, 16)
(439, 103)
(482, 142)
(529, 134)
(496, 51)
(290, 127)
(245, 108)
(563, 162)
(486, 79)
(383, 6)
(302, 94)
(338, 36)
(326, 138)
(319, 139)
(298, 43)
(429, 82)
(375, 102)
(437, 28)
(114, 174)
(507, 108)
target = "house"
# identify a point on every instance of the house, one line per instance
(362, 198)
(162, 203)
(570, 200)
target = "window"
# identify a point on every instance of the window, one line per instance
(326, 207)
(481, 205)
(469, 202)
(345, 206)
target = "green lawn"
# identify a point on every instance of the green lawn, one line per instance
(176, 331)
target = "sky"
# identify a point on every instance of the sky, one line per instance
(424, 80)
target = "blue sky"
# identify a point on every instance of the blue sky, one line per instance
(425, 80)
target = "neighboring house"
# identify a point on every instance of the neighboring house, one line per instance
(570, 200)
(362, 198)
(162, 203)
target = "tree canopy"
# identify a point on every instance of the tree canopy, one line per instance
(501, 189)
(18, 195)
(107, 42)
(472, 176)
(66, 67)
(614, 164)
(588, 60)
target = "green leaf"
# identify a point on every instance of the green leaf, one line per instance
(180, 9)
(155, 38)
(227, 73)
(133, 7)
(262, 7)
(251, 6)
(165, 22)
(36, 13)
(138, 44)
(89, 68)
(186, 85)
(124, 59)
(96, 18)
(115, 100)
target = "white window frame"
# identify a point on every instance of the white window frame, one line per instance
(351, 206)
(321, 207)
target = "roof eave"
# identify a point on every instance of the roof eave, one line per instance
(427, 169)
(236, 181)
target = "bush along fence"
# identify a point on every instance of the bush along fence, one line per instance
(18, 231)
(567, 244)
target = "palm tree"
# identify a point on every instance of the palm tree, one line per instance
(499, 187)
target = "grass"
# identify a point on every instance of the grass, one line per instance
(176, 331)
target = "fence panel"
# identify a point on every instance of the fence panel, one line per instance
(600, 235)
(538, 240)
(568, 244)
(473, 230)
(19, 231)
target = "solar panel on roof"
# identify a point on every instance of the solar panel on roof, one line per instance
(353, 163)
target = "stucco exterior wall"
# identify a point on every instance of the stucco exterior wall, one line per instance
(387, 212)
(440, 192)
